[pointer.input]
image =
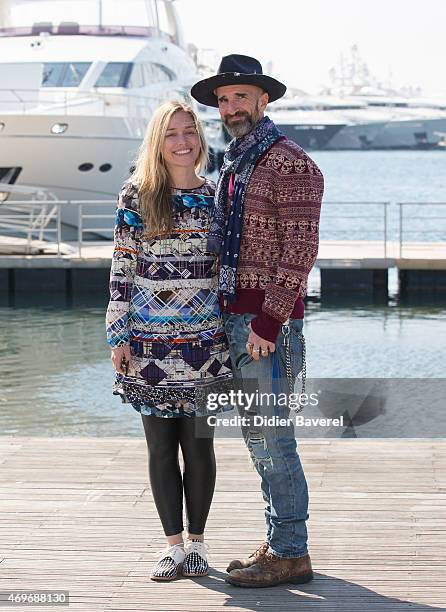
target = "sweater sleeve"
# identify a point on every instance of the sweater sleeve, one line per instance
(127, 233)
(298, 187)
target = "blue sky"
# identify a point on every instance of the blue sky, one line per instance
(400, 40)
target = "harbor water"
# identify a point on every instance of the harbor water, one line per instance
(56, 373)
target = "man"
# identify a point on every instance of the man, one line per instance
(265, 227)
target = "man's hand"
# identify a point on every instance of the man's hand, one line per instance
(119, 355)
(258, 347)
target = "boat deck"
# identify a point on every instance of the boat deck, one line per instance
(77, 514)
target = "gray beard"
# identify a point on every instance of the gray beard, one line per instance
(241, 129)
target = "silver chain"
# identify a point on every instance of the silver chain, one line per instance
(289, 372)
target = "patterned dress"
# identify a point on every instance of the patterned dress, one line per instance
(164, 303)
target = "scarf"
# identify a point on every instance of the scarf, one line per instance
(224, 238)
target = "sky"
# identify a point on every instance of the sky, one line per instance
(402, 42)
(304, 38)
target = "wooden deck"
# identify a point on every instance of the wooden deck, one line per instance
(77, 514)
(332, 254)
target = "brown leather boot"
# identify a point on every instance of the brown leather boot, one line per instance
(271, 570)
(256, 555)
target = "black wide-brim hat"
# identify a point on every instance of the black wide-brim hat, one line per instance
(233, 70)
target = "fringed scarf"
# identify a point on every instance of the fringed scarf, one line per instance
(224, 238)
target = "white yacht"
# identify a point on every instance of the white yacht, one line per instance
(305, 121)
(356, 112)
(349, 123)
(75, 99)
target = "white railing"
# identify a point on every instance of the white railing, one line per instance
(29, 218)
(43, 222)
(412, 224)
(64, 102)
(81, 229)
(373, 214)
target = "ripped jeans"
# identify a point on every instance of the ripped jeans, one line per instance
(273, 447)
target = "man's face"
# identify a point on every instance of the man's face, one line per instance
(241, 107)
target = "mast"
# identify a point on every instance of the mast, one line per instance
(157, 17)
(173, 23)
(5, 14)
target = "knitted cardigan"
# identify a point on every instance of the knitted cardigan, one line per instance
(280, 237)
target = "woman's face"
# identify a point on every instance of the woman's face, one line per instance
(182, 142)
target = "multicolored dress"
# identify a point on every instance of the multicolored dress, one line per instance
(164, 304)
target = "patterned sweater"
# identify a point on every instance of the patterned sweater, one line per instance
(164, 305)
(280, 237)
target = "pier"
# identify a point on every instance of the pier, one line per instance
(44, 261)
(356, 266)
(346, 267)
(78, 515)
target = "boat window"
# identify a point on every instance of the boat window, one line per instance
(123, 74)
(148, 73)
(64, 74)
(162, 70)
(156, 73)
(114, 74)
(137, 77)
(52, 74)
(74, 73)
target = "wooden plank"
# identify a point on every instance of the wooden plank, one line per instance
(332, 253)
(377, 527)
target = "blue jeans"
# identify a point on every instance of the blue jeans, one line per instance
(273, 448)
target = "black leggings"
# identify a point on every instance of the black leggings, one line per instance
(164, 437)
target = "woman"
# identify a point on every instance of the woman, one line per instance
(164, 325)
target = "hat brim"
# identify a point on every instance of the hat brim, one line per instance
(203, 91)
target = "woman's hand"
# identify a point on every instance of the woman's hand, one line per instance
(120, 355)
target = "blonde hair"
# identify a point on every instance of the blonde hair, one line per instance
(150, 174)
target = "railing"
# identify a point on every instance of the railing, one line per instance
(60, 101)
(30, 218)
(38, 221)
(92, 103)
(419, 224)
(43, 220)
(81, 216)
(337, 225)
(84, 30)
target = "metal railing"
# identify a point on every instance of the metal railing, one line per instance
(43, 222)
(81, 216)
(381, 219)
(419, 223)
(30, 218)
(85, 29)
(64, 102)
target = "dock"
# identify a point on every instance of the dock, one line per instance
(78, 515)
(70, 260)
(346, 267)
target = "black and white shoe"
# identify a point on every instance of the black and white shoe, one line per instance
(169, 564)
(196, 560)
